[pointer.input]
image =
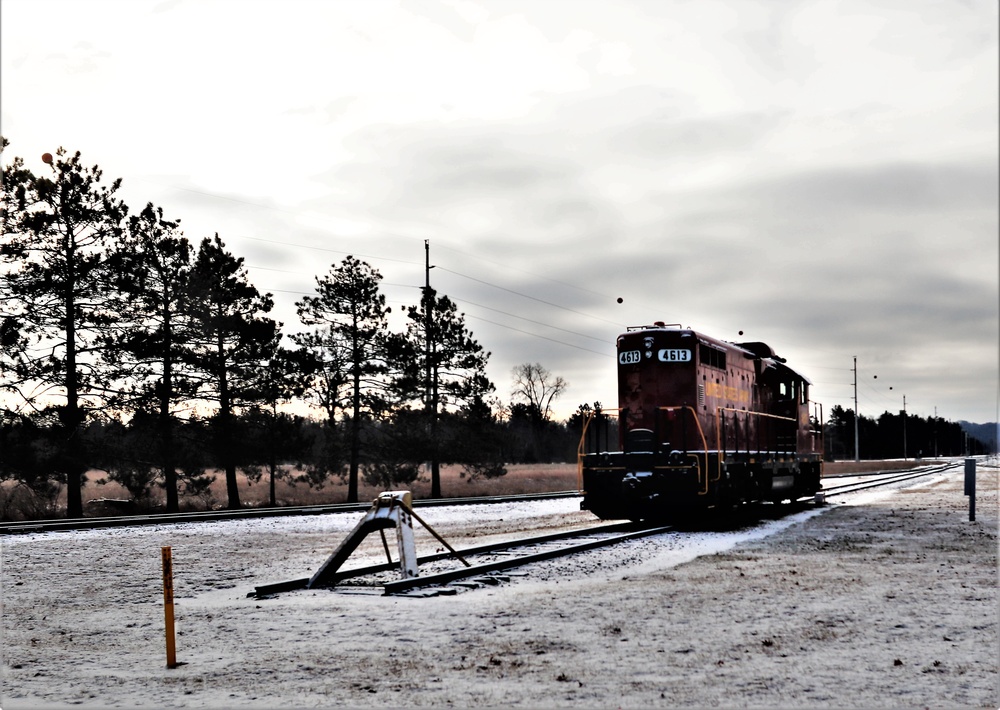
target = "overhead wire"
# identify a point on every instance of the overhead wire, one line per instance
(546, 325)
(327, 249)
(536, 335)
(523, 271)
(524, 295)
(457, 299)
(464, 301)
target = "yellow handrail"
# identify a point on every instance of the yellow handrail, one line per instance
(718, 429)
(704, 443)
(583, 440)
(701, 435)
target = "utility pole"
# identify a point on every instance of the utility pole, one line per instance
(935, 432)
(430, 384)
(904, 427)
(427, 324)
(857, 451)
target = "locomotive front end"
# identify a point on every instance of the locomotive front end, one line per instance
(658, 466)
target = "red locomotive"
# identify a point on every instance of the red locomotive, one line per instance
(702, 423)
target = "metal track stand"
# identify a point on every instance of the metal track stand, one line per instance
(390, 509)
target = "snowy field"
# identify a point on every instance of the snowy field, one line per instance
(889, 600)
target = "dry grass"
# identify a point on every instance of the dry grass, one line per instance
(837, 467)
(521, 478)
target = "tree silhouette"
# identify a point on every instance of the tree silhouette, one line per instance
(439, 362)
(154, 269)
(56, 289)
(229, 345)
(349, 319)
(276, 434)
(534, 389)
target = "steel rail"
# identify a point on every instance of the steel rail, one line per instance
(887, 480)
(112, 521)
(628, 531)
(882, 472)
(440, 578)
(71, 524)
(302, 583)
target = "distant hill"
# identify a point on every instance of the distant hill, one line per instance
(986, 433)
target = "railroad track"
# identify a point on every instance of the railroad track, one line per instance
(886, 478)
(606, 535)
(34, 526)
(498, 557)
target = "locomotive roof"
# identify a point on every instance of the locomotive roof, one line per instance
(753, 349)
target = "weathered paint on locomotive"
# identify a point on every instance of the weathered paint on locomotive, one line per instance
(703, 422)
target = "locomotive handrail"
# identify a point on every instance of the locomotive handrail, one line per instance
(759, 414)
(720, 445)
(581, 447)
(704, 442)
(718, 430)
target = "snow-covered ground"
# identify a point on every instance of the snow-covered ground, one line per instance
(889, 600)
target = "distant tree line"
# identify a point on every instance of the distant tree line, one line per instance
(127, 348)
(896, 436)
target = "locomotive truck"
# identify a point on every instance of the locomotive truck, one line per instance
(702, 424)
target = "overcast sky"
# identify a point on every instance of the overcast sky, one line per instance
(822, 176)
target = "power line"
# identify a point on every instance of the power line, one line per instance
(536, 335)
(402, 261)
(533, 298)
(545, 325)
(523, 271)
(326, 249)
(472, 278)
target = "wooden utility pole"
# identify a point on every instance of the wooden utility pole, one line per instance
(427, 323)
(430, 383)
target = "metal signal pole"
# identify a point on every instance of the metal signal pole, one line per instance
(857, 452)
(935, 431)
(904, 427)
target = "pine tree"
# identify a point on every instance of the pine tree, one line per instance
(439, 362)
(283, 377)
(154, 269)
(57, 291)
(231, 341)
(348, 316)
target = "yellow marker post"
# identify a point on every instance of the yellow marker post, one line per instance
(168, 606)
